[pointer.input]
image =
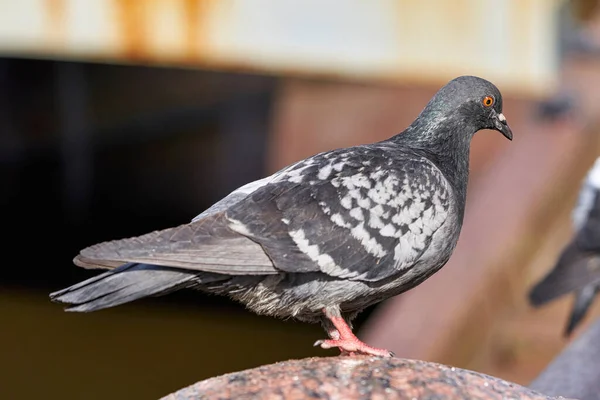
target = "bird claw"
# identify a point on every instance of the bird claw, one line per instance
(352, 347)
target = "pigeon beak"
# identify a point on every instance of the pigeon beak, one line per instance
(502, 126)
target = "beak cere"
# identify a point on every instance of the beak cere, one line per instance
(502, 126)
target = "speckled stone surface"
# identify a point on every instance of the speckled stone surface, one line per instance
(356, 377)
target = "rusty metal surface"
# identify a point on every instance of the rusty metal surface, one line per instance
(355, 378)
(390, 40)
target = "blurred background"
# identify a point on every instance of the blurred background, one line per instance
(119, 117)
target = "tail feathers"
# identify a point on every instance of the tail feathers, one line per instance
(125, 284)
(583, 301)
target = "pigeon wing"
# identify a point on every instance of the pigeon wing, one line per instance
(203, 245)
(361, 214)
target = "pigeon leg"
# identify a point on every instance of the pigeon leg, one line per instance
(343, 338)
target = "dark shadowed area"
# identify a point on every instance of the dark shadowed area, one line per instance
(94, 152)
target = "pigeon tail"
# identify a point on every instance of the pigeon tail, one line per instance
(583, 301)
(127, 283)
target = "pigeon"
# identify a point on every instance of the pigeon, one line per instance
(557, 107)
(577, 269)
(323, 238)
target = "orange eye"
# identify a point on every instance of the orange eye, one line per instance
(488, 101)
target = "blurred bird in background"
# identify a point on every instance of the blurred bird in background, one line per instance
(578, 267)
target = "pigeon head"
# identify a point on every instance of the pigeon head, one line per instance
(444, 129)
(458, 110)
(471, 102)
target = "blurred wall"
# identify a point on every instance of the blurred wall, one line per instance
(509, 41)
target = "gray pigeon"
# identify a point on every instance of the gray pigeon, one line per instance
(323, 238)
(578, 267)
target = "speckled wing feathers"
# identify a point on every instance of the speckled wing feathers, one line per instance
(363, 214)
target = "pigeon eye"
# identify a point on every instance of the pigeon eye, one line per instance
(488, 101)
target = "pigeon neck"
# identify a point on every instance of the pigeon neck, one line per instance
(446, 144)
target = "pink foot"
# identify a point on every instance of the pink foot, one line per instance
(353, 346)
(343, 338)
